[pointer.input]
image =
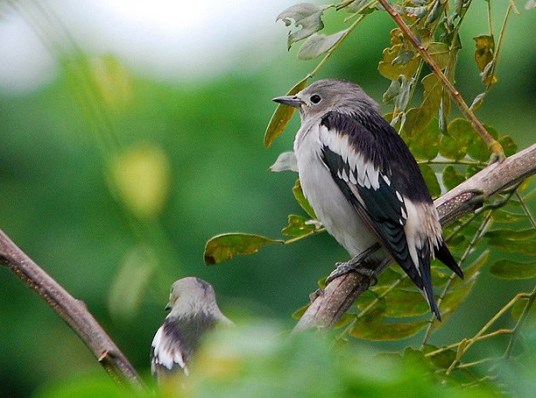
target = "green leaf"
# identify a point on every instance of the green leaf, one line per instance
(424, 144)
(452, 177)
(378, 330)
(302, 201)
(225, 246)
(440, 53)
(518, 308)
(282, 115)
(508, 269)
(399, 303)
(307, 18)
(477, 149)
(318, 44)
(443, 359)
(508, 145)
(392, 71)
(286, 161)
(431, 180)
(511, 234)
(299, 226)
(454, 145)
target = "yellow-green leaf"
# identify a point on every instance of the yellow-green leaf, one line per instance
(431, 180)
(225, 246)
(299, 226)
(302, 200)
(391, 70)
(282, 115)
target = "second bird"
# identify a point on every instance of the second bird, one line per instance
(363, 183)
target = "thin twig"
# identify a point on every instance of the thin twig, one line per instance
(494, 145)
(72, 311)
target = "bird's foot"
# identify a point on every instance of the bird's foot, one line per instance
(357, 265)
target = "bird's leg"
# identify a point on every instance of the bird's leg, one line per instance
(356, 265)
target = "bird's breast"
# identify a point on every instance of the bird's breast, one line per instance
(332, 208)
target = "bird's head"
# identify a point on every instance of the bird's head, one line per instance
(327, 95)
(190, 293)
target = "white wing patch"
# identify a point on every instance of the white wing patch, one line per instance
(166, 352)
(362, 172)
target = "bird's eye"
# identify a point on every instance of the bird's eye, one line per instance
(315, 99)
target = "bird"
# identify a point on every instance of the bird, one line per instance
(364, 184)
(193, 312)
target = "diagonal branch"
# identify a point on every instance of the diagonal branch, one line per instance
(71, 310)
(339, 295)
(494, 145)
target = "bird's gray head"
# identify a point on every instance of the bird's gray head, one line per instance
(191, 295)
(327, 95)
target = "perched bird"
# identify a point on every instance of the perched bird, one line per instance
(363, 183)
(193, 312)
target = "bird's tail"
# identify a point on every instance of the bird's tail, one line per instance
(443, 254)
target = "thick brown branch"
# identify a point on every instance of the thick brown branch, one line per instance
(340, 294)
(72, 311)
(492, 143)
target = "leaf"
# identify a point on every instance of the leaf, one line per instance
(286, 161)
(452, 177)
(399, 303)
(318, 44)
(508, 269)
(386, 331)
(298, 226)
(530, 4)
(454, 145)
(392, 71)
(302, 201)
(419, 118)
(281, 116)
(440, 53)
(431, 180)
(443, 359)
(304, 16)
(225, 246)
(424, 144)
(510, 234)
(508, 145)
(485, 45)
(518, 308)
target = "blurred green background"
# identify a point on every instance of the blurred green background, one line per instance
(113, 177)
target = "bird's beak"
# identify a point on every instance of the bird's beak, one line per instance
(168, 307)
(290, 100)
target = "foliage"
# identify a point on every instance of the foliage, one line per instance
(448, 150)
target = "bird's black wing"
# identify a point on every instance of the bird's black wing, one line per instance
(376, 172)
(168, 353)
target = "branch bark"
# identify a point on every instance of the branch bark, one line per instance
(71, 310)
(340, 294)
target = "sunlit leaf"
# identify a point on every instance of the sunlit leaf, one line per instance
(452, 177)
(299, 226)
(286, 161)
(509, 269)
(392, 71)
(485, 46)
(318, 44)
(307, 18)
(431, 180)
(225, 246)
(112, 82)
(282, 115)
(440, 53)
(302, 201)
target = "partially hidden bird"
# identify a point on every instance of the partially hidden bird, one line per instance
(364, 184)
(193, 312)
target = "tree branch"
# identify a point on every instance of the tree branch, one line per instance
(339, 295)
(71, 310)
